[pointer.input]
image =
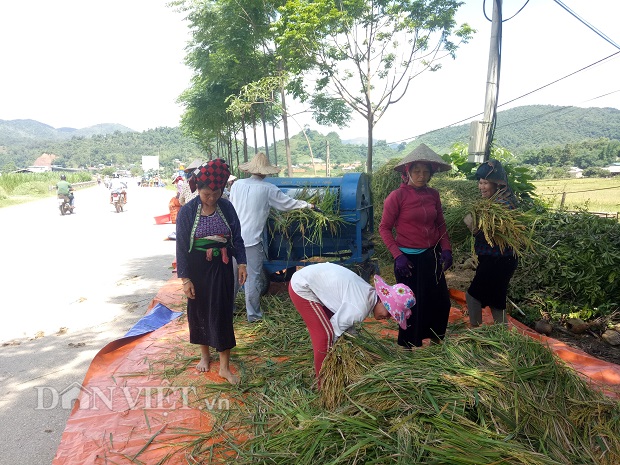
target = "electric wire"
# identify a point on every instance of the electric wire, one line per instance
(583, 21)
(559, 2)
(567, 109)
(484, 11)
(516, 98)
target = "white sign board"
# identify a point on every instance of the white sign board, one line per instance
(150, 163)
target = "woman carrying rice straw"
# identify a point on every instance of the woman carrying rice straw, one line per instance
(331, 299)
(495, 266)
(421, 247)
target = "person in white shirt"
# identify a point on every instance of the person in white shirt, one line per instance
(331, 299)
(252, 198)
(118, 185)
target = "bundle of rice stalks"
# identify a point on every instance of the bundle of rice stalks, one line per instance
(346, 361)
(501, 226)
(310, 224)
(457, 230)
(490, 396)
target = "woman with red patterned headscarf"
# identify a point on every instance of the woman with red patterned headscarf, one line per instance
(208, 234)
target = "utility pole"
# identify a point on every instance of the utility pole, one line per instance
(481, 132)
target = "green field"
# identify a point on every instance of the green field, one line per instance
(595, 194)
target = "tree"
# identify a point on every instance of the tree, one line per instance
(226, 54)
(367, 52)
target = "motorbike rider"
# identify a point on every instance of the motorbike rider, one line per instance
(117, 185)
(65, 190)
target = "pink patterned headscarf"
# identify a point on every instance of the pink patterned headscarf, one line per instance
(397, 299)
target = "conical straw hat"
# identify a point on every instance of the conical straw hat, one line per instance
(193, 165)
(259, 165)
(422, 153)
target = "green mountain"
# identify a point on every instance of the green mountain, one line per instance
(534, 127)
(536, 134)
(18, 130)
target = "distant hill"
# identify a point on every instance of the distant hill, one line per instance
(18, 130)
(535, 127)
(590, 132)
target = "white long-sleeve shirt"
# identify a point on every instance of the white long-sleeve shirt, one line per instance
(339, 289)
(252, 199)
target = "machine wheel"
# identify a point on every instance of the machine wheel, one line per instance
(118, 207)
(264, 282)
(283, 276)
(367, 269)
(62, 210)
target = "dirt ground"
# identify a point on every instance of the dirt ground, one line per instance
(589, 342)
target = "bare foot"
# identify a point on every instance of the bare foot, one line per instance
(203, 365)
(230, 376)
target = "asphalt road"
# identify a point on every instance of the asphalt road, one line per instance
(69, 285)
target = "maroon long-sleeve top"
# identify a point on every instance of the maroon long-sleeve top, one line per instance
(417, 217)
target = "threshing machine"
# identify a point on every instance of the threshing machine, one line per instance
(350, 246)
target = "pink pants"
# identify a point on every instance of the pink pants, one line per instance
(316, 317)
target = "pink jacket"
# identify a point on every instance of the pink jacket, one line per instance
(417, 217)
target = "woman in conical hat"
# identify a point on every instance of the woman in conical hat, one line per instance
(421, 247)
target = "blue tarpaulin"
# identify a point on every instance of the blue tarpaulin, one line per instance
(155, 319)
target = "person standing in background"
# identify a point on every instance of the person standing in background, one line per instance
(252, 198)
(495, 267)
(420, 247)
(186, 194)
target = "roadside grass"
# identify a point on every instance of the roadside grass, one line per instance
(593, 194)
(19, 199)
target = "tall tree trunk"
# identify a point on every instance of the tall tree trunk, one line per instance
(310, 148)
(327, 167)
(229, 148)
(254, 129)
(275, 150)
(245, 140)
(369, 155)
(287, 142)
(236, 151)
(262, 117)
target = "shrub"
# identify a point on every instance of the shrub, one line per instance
(32, 188)
(576, 266)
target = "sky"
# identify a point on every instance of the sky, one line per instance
(77, 63)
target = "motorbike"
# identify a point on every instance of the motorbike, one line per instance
(64, 204)
(118, 200)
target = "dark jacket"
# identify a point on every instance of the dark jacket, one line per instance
(185, 223)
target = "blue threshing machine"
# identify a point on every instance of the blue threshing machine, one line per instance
(351, 246)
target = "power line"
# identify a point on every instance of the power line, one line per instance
(558, 80)
(591, 27)
(567, 109)
(516, 98)
(599, 33)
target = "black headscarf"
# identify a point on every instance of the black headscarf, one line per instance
(493, 171)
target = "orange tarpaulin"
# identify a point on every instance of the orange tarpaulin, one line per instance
(121, 408)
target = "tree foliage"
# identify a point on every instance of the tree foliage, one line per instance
(367, 52)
